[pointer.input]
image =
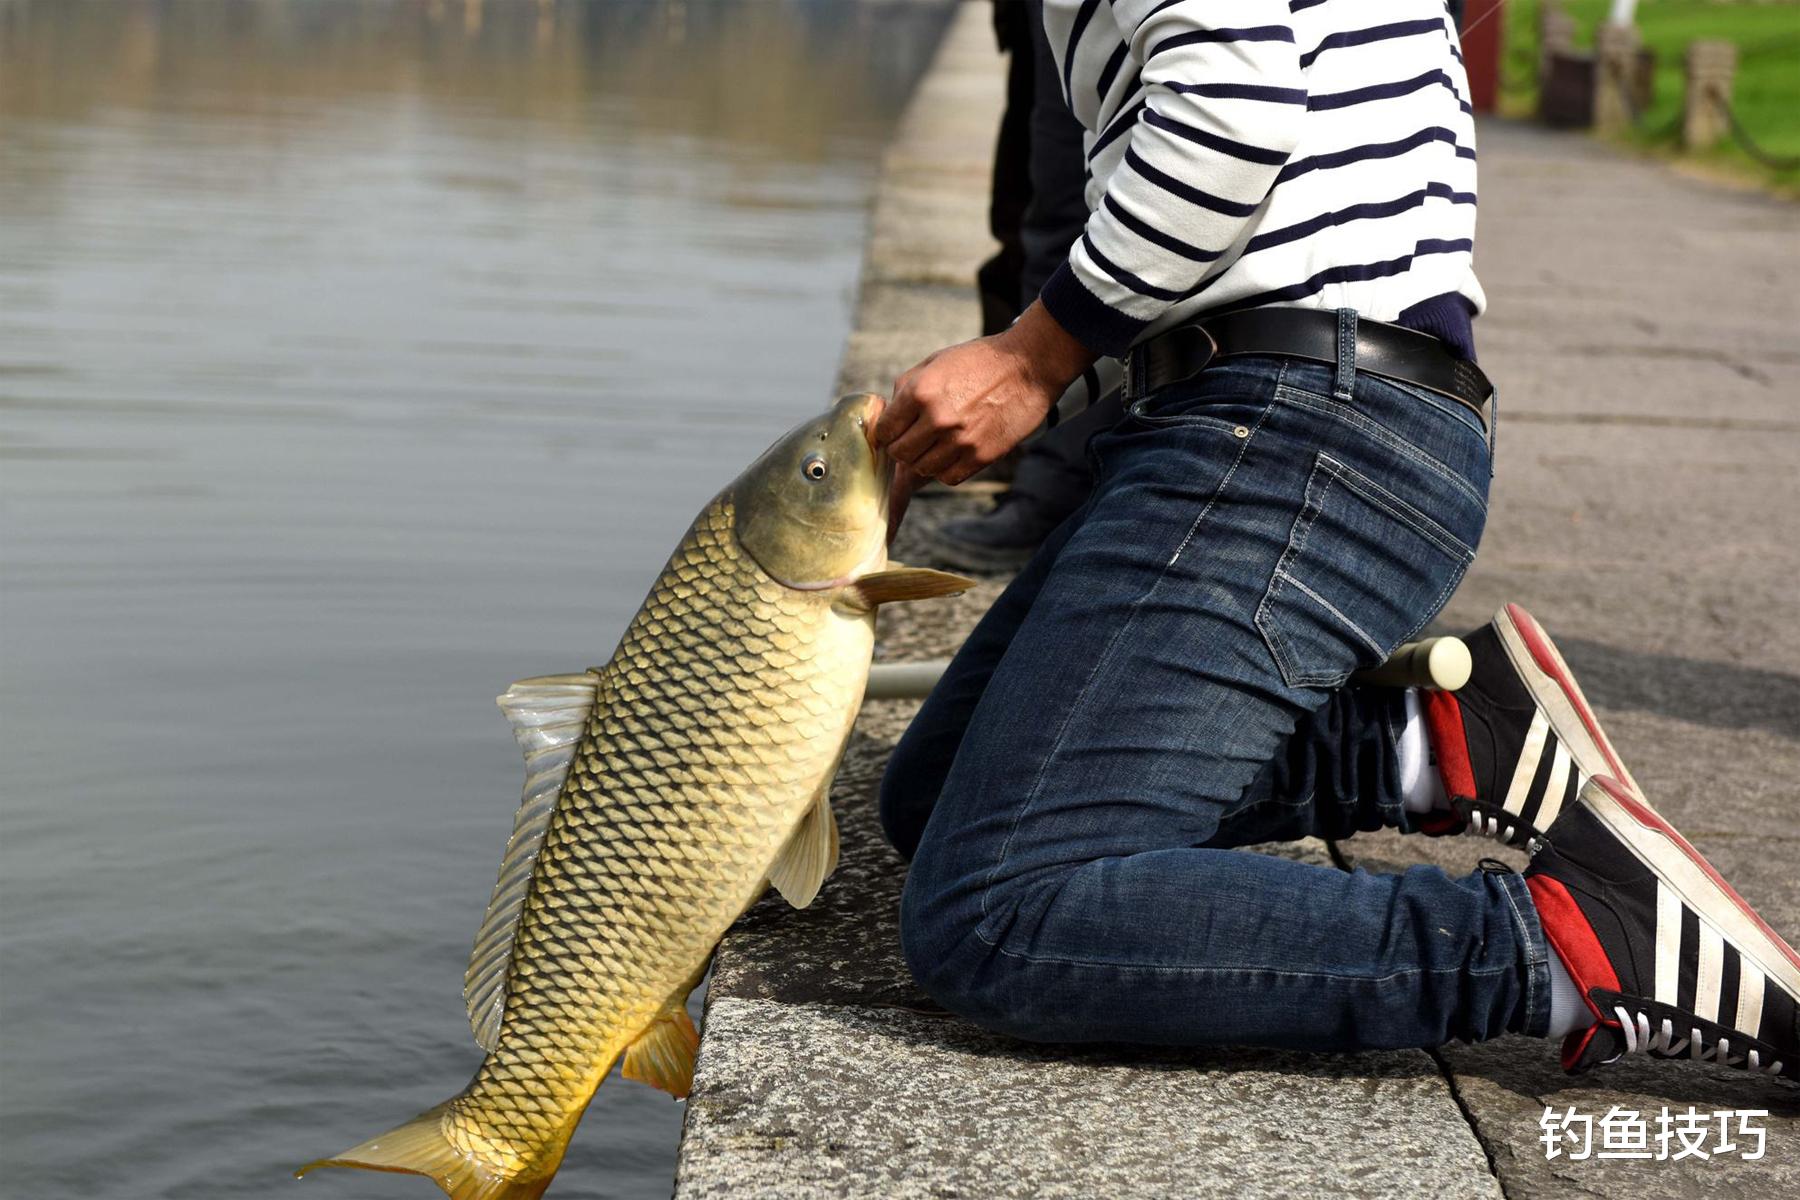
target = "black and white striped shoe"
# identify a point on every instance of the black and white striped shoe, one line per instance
(1671, 960)
(1516, 743)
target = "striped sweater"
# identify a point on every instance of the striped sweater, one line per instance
(1242, 153)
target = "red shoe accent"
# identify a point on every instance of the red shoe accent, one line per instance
(1539, 644)
(1437, 823)
(1444, 726)
(1573, 939)
(1576, 1044)
(1646, 816)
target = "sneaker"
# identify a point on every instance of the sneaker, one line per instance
(1516, 743)
(1672, 962)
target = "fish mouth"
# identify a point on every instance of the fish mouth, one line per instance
(866, 420)
(880, 461)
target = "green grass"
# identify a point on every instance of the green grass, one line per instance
(1766, 94)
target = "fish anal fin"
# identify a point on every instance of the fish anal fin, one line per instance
(663, 1055)
(898, 584)
(810, 855)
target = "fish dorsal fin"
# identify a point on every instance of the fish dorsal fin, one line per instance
(810, 855)
(548, 714)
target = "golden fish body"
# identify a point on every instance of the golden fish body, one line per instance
(719, 719)
(696, 774)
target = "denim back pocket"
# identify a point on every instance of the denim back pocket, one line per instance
(1227, 395)
(1363, 571)
(1173, 406)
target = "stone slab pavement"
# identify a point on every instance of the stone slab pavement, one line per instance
(1643, 333)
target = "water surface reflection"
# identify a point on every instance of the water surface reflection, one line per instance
(356, 359)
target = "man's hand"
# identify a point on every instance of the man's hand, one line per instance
(964, 407)
(900, 495)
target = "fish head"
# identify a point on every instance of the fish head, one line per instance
(812, 511)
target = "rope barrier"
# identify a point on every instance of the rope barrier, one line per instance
(1741, 136)
(1749, 146)
(1781, 44)
(1638, 118)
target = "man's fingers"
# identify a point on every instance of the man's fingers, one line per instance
(894, 423)
(898, 414)
(913, 444)
(965, 466)
(899, 497)
(943, 454)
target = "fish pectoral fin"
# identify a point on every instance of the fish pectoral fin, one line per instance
(905, 583)
(663, 1055)
(810, 856)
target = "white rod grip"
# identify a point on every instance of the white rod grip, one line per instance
(1441, 663)
(904, 680)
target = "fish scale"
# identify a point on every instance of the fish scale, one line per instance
(702, 749)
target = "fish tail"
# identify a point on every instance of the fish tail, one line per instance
(420, 1147)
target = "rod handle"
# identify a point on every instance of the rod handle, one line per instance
(1440, 663)
(904, 680)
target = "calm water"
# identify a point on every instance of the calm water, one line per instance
(355, 360)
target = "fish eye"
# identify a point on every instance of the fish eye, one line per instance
(813, 467)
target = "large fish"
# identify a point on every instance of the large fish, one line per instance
(664, 793)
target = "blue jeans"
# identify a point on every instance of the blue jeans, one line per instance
(1165, 681)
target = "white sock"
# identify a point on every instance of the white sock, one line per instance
(1569, 1013)
(1421, 787)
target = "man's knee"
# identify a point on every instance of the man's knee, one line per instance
(941, 937)
(942, 944)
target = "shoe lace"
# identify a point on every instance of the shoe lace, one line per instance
(1642, 1037)
(1492, 825)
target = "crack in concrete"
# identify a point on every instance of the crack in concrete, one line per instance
(1468, 1113)
(1689, 354)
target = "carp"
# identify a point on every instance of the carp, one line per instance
(664, 793)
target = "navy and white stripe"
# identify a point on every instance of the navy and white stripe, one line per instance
(1251, 152)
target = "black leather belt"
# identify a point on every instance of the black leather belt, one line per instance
(1389, 351)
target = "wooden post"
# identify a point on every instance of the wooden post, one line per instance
(1615, 74)
(1566, 99)
(1481, 52)
(1710, 67)
(1556, 36)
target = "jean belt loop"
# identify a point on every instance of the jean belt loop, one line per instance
(1344, 384)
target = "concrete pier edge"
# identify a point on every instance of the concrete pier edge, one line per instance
(1640, 331)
